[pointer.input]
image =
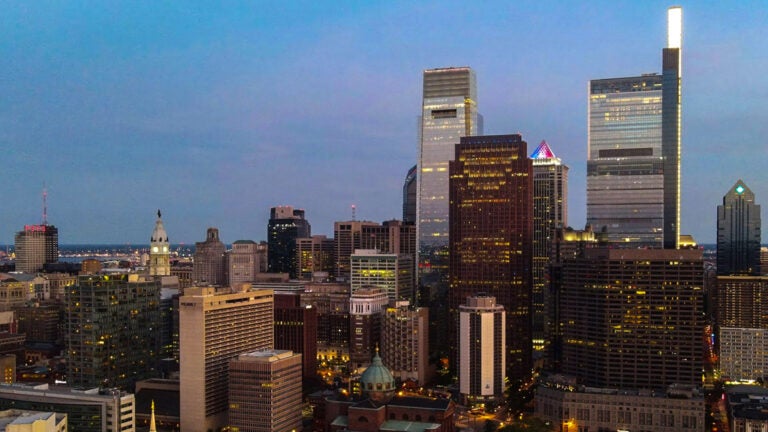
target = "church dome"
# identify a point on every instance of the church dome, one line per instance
(377, 381)
(159, 234)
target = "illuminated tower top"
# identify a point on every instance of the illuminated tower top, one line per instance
(159, 252)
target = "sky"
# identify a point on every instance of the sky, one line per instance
(214, 112)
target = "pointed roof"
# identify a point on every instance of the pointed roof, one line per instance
(159, 234)
(543, 151)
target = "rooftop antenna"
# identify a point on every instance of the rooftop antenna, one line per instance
(353, 212)
(45, 205)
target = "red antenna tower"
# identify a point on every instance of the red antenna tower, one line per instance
(45, 205)
(353, 211)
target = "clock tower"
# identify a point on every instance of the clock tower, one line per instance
(159, 250)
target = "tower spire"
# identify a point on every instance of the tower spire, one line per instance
(152, 426)
(45, 204)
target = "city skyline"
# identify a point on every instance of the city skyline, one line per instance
(199, 104)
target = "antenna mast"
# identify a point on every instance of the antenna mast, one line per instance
(353, 211)
(45, 205)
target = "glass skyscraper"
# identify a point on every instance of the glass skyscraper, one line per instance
(738, 232)
(633, 166)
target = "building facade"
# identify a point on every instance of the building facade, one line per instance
(36, 246)
(404, 342)
(265, 391)
(550, 213)
(482, 358)
(242, 262)
(634, 148)
(738, 232)
(113, 330)
(409, 196)
(286, 224)
(296, 329)
(210, 261)
(491, 194)
(366, 310)
(391, 272)
(314, 254)
(159, 250)
(214, 327)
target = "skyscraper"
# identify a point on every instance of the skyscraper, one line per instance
(210, 260)
(314, 254)
(550, 213)
(491, 195)
(36, 246)
(242, 262)
(482, 337)
(366, 310)
(738, 232)
(286, 224)
(634, 145)
(391, 272)
(409, 196)
(214, 327)
(404, 339)
(159, 250)
(633, 318)
(449, 111)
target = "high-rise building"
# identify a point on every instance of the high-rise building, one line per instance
(482, 358)
(265, 391)
(391, 236)
(391, 272)
(448, 112)
(409, 196)
(36, 246)
(404, 341)
(159, 250)
(214, 327)
(634, 145)
(550, 213)
(366, 310)
(242, 262)
(112, 330)
(286, 224)
(633, 318)
(296, 329)
(210, 260)
(738, 232)
(314, 255)
(491, 191)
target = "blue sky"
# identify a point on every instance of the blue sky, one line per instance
(217, 111)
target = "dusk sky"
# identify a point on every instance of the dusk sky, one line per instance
(216, 111)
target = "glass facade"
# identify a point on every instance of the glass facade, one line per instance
(738, 232)
(449, 111)
(625, 166)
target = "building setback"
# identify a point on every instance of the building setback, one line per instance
(738, 232)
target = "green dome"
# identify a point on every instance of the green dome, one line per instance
(377, 381)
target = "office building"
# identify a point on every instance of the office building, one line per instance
(393, 236)
(286, 224)
(296, 329)
(391, 272)
(265, 391)
(242, 262)
(482, 357)
(633, 318)
(738, 232)
(36, 246)
(491, 235)
(449, 111)
(159, 250)
(550, 213)
(32, 421)
(634, 146)
(87, 410)
(112, 330)
(214, 328)
(366, 310)
(210, 261)
(409, 196)
(404, 341)
(315, 255)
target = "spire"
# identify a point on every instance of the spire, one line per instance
(543, 151)
(152, 426)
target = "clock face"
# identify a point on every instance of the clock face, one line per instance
(165, 248)
(154, 249)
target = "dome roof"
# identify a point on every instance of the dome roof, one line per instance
(377, 381)
(159, 234)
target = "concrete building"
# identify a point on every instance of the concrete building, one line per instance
(550, 213)
(633, 318)
(32, 421)
(405, 342)
(482, 354)
(491, 191)
(210, 261)
(738, 232)
(286, 224)
(265, 391)
(366, 310)
(89, 410)
(216, 326)
(296, 329)
(747, 407)
(159, 250)
(391, 272)
(314, 254)
(571, 409)
(36, 246)
(112, 334)
(243, 262)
